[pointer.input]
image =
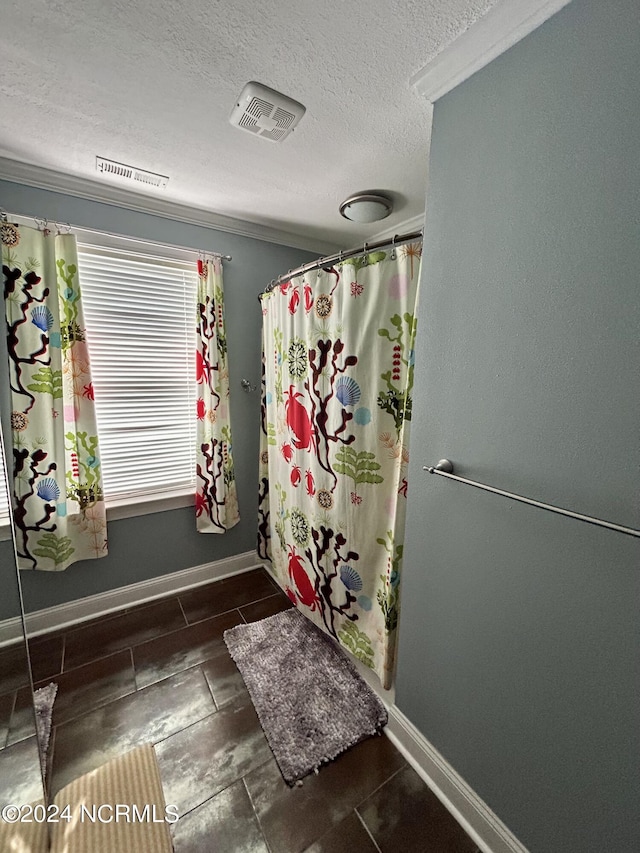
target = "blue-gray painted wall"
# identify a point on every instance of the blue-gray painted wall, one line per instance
(151, 545)
(10, 597)
(519, 654)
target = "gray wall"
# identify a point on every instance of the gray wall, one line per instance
(147, 546)
(10, 598)
(519, 636)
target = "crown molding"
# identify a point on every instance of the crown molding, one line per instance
(504, 25)
(17, 172)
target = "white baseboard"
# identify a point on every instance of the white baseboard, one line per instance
(472, 813)
(73, 612)
(10, 631)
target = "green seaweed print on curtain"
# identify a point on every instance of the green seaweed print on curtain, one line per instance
(336, 408)
(58, 502)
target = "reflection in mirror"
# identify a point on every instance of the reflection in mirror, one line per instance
(21, 780)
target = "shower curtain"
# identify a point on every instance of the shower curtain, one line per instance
(337, 379)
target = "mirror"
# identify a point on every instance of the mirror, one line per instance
(21, 779)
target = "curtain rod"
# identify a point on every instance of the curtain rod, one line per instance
(44, 222)
(341, 256)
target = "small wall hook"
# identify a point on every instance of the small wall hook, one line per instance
(247, 387)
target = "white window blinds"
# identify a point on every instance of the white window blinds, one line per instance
(140, 320)
(4, 497)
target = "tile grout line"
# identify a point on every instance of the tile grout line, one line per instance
(367, 830)
(10, 718)
(236, 607)
(49, 763)
(150, 640)
(184, 728)
(206, 681)
(184, 615)
(136, 689)
(381, 785)
(255, 811)
(212, 797)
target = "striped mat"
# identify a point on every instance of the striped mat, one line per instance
(24, 837)
(130, 780)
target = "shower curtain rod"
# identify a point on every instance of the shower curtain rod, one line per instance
(41, 220)
(341, 256)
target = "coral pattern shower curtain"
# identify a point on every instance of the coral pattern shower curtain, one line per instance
(216, 497)
(58, 502)
(338, 372)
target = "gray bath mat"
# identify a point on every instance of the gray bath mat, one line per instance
(43, 700)
(310, 700)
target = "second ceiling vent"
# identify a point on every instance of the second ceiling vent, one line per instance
(265, 112)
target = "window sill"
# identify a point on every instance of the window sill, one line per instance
(131, 507)
(147, 504)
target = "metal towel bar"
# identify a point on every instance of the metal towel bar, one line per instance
(444, 468)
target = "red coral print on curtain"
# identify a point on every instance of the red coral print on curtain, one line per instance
(336, 407)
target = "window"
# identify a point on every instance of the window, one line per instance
(140, 317)
(5, 530)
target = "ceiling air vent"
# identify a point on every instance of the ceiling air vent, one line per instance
(112, 169)
(265, 112)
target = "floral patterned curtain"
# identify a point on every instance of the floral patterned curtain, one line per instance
(338, 374)
(216, 497)
(58, 504)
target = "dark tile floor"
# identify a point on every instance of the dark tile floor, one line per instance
(161, 673)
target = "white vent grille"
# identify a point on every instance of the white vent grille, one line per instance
(265, 112)
(129, 173)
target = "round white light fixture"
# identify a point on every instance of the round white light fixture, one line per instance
(366, 207)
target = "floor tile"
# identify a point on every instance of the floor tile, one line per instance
(197, 763)
(6, 709)
(23, 724)
(405, 815)
(179, 650)
(148, 716)
(84, 688)
(14, 668)
(226, 823)
(227, 594)
(20, 779)
(267, 607)
(324, 799)
(45, 654)
(349, 836)
(223, 676)
(122, 631)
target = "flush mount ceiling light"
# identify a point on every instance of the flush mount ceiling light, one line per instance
(366, 207)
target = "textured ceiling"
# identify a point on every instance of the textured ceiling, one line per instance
(151, 84)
